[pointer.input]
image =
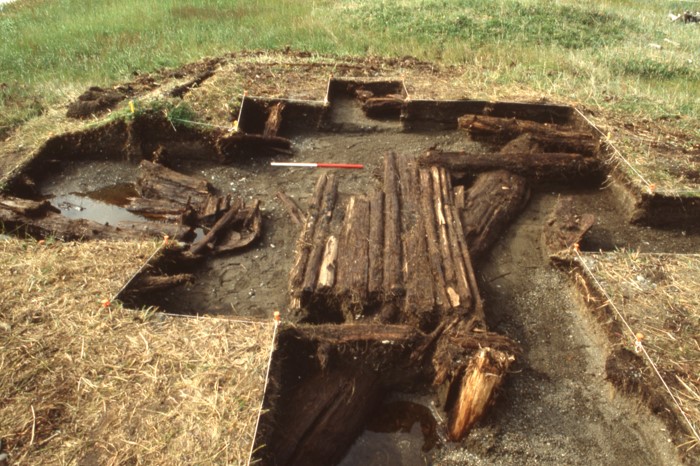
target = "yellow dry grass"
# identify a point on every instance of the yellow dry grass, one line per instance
(658, 295)
(83, 384)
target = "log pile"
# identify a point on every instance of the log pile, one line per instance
(395, 267)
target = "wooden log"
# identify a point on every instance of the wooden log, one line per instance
(494, 200)
(459, 195)
(156, 208)
(393, 278)
(376, 245)
(552, 138)
(462, 285)
(313, 264)
(158, 182)
(446, 255)
(383, 107)
(429, 221)
(247, 227)
(305, 242)
(40, 219)
(477, 386)
(478, 317)
(154, 283)
(353, 255)
(295, 212)
(156, 229)
(326, 274)
(274, 120)
(542, 166)
(564, 227)
(223, 223)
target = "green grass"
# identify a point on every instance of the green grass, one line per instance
(594, 52)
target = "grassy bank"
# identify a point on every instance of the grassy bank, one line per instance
(617, 54)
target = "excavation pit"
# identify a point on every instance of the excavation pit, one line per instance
(324, 359)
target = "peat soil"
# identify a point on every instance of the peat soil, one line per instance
(556, 406)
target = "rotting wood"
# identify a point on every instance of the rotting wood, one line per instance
(476, 388)
(249, 226)
(376, 246)
(392, 229)
(459, 195)
(491, 203)
(564, 227)
(318, 243)
(383, 107)
(541, 166)
(295, 212)
(446, 257)
(326, 274)
(552, 138)
(223, 223)
(274, 121)
(353, 255)
(158, 182)
(304, 244)
(155, 208)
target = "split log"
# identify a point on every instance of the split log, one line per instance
(430, 226)
(564, 227)
(326, 274)
(39, 219)
(541, 166)
(274, 120)
(304, 244)
(318, 244)
(552, 138)
(376, 246)
(295, 212)
(158, 182)
(393, 280)
(383, 107)
(446, 258)
(475, 390)
(493, 201)
(154, 283)
(353, 255)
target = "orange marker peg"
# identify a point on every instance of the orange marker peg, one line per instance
(276, 315)
(166, 238)
(106, 303)
(652, 188)
(576, 247)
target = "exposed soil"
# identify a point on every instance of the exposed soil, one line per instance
(556, 406)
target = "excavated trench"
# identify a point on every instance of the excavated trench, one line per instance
(378, 402)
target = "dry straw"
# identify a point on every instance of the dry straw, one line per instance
(658, 296)
(87, 384)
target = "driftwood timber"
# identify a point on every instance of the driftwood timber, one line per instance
(40, 219)
(383, 107)
(304, 245)
(552, 138)
(392, 229)
(353, 257)
(274, 120)
(153, 283)
(318, 243)
(491, 203)
(376, 245)
(295, 212)
(158, 182)
(540, 166)
(564, 227)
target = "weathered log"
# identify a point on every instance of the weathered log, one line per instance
(153, 283)
(564, 227)
(541, 166)
(318, 243)
(383, 107)
(223, 223)
(393, 257)
(274, 120)
(156, 208)
(158, 182)
(353, 255)
(40, 219)
(429, 220)
(326, 274)
(305, 242)
(492, 202)
(156, 229)
(376, 245)
(552, 138)
(462, 285)
(476, 388)
(446, 257)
